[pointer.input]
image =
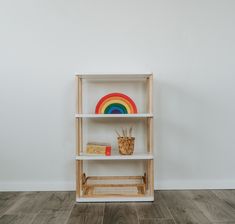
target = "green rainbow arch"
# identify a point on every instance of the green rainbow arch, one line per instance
(115, 108)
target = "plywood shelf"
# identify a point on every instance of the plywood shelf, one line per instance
(114, 76)
(135, 156)
(113, 198)
(114, 115)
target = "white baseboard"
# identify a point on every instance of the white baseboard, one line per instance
(37, 186)
(194, 184)
(160, 185)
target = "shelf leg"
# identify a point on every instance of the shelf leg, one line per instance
(79, 178)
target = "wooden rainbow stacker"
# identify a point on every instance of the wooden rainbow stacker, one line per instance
(112, 106)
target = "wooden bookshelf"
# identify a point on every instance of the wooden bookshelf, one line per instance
(114, 188)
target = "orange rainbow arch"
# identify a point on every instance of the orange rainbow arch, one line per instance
(116, 103)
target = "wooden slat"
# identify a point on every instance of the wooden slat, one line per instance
(79, 100)
(90, 187)
(150, 93)
(79, 171)
(78, 190)
(114, 177)
(150, 119)
(76, 121)
(79, 136)
(80, 144)
(114, 185)
(150, 164)
(150, 135)
(113, 195)
(150, 177)
(79, 132)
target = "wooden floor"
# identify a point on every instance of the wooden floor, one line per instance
(170, 207)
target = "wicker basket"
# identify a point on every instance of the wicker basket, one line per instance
(126, 145)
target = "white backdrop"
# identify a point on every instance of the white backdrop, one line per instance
(189, 46)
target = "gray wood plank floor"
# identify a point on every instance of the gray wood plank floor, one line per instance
(169, 207)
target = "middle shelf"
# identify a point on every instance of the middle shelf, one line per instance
(135, 156)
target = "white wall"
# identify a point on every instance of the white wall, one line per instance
(188, 44)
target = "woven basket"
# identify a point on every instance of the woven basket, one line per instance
(126, 145)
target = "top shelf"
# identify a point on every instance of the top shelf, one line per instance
(113, 115)
(114, 76)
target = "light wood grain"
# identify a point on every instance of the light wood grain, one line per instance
(150, 163)
(120, 213)
(231, 222)
(150, 135)
(86, 219)
(214, 208)
(29, 203)
(183, 209)
(150, 177)
(152, 210)
(85, 208)
(79, 95)
(156, 221)
(17, 219)
(7, 199)
(150, 93)
(226, 195)
(135, 184)
(115, 177)
(79, 138)
(60, 201)
(79, 175)
(87, 213)
(51, 217)
(80, 110)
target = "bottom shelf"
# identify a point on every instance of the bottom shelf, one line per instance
(115, 199)
(114, 188)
